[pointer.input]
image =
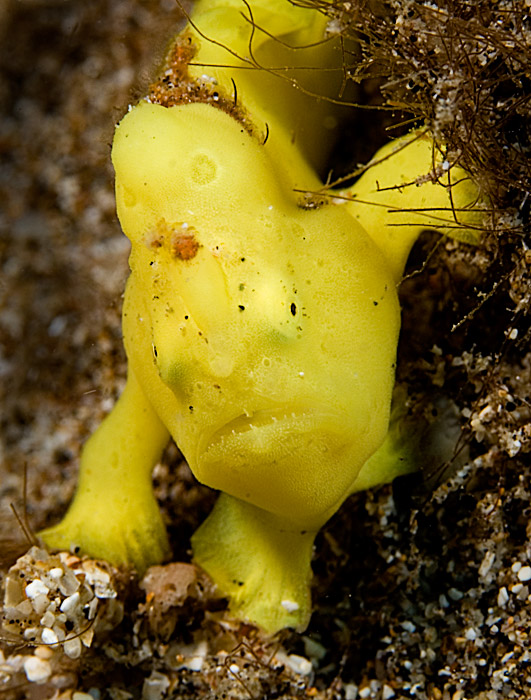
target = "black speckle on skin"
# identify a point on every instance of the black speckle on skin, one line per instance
(293, 308)
(241, 307)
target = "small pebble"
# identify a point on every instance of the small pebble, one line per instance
(503, 597)
(72, 648)
(408, 627)
(48, 636)
(44, 652)
(35, 588)
(48, 619)
(93, 606)
(486, 564)
(155, 686)
(300, 665)
(314, 649)
(523, 593)
(56, 573)
(60, 632)
(31, 633)
(524, 574)
(25, 608)
(455, 594)
(40, 603)
(194, 657)
(297, 664)
(351, 691)
(37, 670)
(69, 603)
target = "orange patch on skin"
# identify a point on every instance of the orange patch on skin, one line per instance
(184, 246)
(177, 238)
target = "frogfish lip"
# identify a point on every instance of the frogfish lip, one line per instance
(291, 461)
(266, 435)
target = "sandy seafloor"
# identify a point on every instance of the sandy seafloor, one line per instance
(421, 590)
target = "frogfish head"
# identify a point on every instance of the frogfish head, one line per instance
(264, 333)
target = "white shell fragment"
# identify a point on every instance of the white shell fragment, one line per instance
(37, 670)
(73, 648)
(56, 573)
(298, 664)
(70, 603)
(48, 619)
(486, 564)
(48, 636)
(35, 588)
(191, 656)
(40, 603)
(99, 579)
(387, 692)
(44, 652)
(503, 597)
(155, 686)
(58, 602)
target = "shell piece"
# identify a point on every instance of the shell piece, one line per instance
(60, 602)
(37, 670)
